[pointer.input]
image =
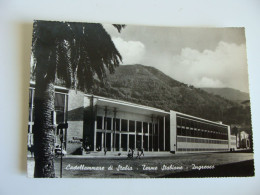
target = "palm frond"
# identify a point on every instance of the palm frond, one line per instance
(119, 27)
(74, 52)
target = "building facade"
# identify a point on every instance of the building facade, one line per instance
(104, 124)
(244, 141)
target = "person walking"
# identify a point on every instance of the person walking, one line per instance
(138, 154)
(142, 152)
(129, 155)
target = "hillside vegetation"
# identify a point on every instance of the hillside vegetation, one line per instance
(148, 86)
(229, 93)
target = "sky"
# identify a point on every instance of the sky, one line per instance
(202, 57)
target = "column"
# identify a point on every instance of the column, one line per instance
(152, 133)
(229, 144)
(158, 121)
(95, 130)
(173, 131)
(148, 135)
(102, 142)
(111, 135)
(127, 135)
(135, 135)
(114, 127)
(105, 123)
(95, 135)
(111, 141)
(164, 133)
(102, 137)
(120, 149)
(142, 142)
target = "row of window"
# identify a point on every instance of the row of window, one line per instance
(125, 125)
(110, 141)
(61, 106)
(201, 149)
(195, 140)
(188, 127)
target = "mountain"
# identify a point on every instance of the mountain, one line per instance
(229, 93)
(148, 86)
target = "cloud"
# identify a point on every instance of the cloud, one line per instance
(209, 82)
(226, 66)
(132, 52)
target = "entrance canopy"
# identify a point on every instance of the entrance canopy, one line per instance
(124, 106)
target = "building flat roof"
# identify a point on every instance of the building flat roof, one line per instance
(121, 105)
(128, 106)
(141, 109)
(201, 119)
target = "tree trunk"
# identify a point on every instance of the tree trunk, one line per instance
(44, 128)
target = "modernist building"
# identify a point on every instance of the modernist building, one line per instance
(107, 124)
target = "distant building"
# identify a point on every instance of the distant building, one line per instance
(244, 140)
(233, 142)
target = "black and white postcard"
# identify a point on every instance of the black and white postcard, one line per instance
(126, 101)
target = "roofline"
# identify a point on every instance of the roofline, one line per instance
(55, 86)
(125, 103)
(194, 117)
(136, 105)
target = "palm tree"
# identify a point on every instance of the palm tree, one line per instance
(74, 53)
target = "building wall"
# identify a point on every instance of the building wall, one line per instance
(197, 135)
(123, 115)
(75, 121)
(188, 144)
(88, 123)
(233, 142)
(123, 138)
(243, 140)
(173, 131)
(81, 116)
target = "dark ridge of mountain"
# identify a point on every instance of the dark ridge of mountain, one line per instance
(148, 86)
(229, 93)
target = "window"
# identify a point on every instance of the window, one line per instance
(191, 125)
(150, 129)
(178, 121)
(60, 107)
(60, 103)
(109, 123)
(124, 125)
(183, 129)
(156, 130)
(145, 127)
(99, 122)
(116, 125)
(179, 124)
(192, 128)
(31, 104)
(132, 126)
(139, 127)
(188, 128)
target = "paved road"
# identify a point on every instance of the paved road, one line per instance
(141, 168)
